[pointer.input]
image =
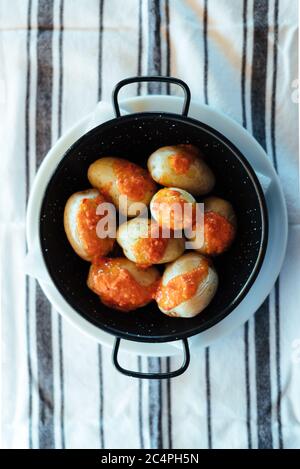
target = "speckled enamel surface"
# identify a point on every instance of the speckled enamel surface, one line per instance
(135, 137)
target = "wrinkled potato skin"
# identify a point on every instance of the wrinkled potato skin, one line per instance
(198, 179)
(129, 233)
(206, 289)
(70, 224)
(224, 208)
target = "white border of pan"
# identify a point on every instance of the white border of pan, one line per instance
(278, 224)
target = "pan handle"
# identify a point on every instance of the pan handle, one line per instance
(172, 80)
(137, 374)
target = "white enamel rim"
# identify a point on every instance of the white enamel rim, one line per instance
(278, 225)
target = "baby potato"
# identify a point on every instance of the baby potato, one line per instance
(143, 242)
(121, 284)
(116, 177)
(181, 166)
(219, 226)
(187, 286)
(80, 223)
(173, 208)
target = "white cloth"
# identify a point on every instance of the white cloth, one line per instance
(60, 389)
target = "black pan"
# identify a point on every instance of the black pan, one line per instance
(135, 137)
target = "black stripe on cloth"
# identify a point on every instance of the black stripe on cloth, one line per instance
(244, 61)
(154, 364)
(45, 370)
(27, 99)
(207, 357)
(205, 20)
(140, 46)
(169, 406)
(100, 49)
(43, 144)
(262, 317)
(101, 398)
(154, 44)
(28, 337)
(278, 370)
(247, 379)
(60, 331)
(244, 122)
(60, 84)
(27, 169)
(208, 398)
(263, 381)
(44, 78)
(274, 84)
(61, 376)
(277, 285)
(259, 70)
(168, 70)
(155, 405)
(100, 359)
(140, 397)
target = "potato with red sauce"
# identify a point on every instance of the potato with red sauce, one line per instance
(173, 208)
(116, 177)
(80, 223)
(181, 166)
(143, 242)
(187, 286)
(121, 284)
(220, 226)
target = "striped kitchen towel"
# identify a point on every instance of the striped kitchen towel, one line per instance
(58, 58)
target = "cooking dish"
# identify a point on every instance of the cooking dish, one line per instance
(132, 137)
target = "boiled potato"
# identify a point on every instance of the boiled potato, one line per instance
(219, 226)
(121, 284)
(181, 166)
(173, 208)
(143, 242)
(80, 223)
(188, 285)
(116, 177)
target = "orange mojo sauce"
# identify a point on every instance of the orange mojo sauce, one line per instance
(165, 205)
(132, 181)
(150, 250)
(218, 232)
(117, 287)
(180, 162)
(87, 220)
(181, 288)
(106, 190)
